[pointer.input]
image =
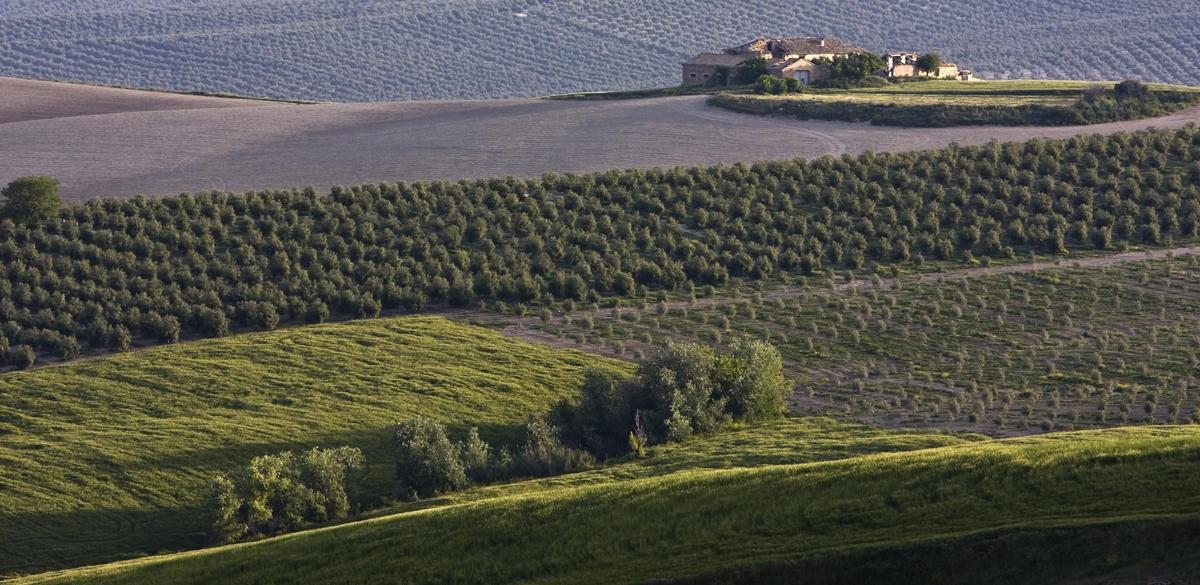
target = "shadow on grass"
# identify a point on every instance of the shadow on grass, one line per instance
(32, 542)
(1138, 551)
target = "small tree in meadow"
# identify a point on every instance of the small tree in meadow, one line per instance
(427, 463)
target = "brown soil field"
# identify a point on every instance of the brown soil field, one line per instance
(167, 144)
(22, 100)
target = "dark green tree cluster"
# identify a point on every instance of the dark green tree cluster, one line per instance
(772, 85)
(31, 199)
(1129, 100)
(429, 463)
(284, 492)
(751, 70)
(111, 273)
(853, 70)
(683, 390)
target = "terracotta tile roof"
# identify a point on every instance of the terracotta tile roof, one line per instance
(719, 59)
(797, 46)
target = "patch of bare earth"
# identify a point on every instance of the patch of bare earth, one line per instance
(244, 146)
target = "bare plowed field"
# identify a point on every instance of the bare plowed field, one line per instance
(22, 100)
(256, 146)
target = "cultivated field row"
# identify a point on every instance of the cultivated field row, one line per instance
(1014, 349)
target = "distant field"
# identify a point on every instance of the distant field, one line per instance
(281, 146)
(366, 50)
(1053, 508)
(110, 458)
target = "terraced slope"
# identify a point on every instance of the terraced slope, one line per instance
(110, 458)
(365, 50)
(282, 146)
(1054, 508)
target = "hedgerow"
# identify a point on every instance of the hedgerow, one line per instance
(204, 265)
(1093, 107)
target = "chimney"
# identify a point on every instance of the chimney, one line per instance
(822, 42)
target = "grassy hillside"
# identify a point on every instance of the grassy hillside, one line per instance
(348, 50)
(741, 522)
(109, 458)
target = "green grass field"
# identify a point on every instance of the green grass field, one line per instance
(110, 458)
(958, 103)
(1008, 93)
(975, 92)
(726, 525)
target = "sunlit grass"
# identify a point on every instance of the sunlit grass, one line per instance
(110, 458)
(696, 521)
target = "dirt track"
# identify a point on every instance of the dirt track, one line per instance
(239, 145)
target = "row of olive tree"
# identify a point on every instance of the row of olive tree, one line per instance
(107, 274)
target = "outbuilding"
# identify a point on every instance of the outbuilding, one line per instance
(712, 69)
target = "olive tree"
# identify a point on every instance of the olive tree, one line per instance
(31, 199)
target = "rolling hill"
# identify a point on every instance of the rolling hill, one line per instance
(1043, 510)
(244, 145)
(364, 50)
(110, 458)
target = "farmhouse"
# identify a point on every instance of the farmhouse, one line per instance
(904, 64)
(785, 57)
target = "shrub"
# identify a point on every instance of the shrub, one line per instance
(22, 356)
(544, 455)
(476, 457)
(853, 67)
(602, 418)
(427, 463)
(769, 85)
(1131, 89)
(121, 338)
(284, 492)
